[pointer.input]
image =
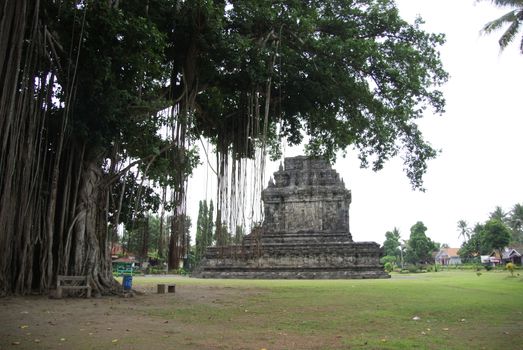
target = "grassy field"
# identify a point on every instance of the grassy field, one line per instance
(456, 310)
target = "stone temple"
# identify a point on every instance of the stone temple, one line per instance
(305, 233)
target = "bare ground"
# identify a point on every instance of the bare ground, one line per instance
(147, 321)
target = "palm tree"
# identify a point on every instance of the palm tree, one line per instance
(515, 222)
(463, 229)
(498, 214)
(513, 19)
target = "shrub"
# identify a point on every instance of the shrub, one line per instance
(436, 267)
(388, 259)
(488, 267)
(413, 268)
(181, 271)
(389, 267)
(510, 266)
(157, 270)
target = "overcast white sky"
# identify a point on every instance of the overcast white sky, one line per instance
(481, 164)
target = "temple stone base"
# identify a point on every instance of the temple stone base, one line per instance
(320, 260)
(305, 234)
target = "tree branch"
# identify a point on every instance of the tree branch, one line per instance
(150, 158)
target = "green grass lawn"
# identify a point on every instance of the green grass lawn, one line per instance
(456, 310)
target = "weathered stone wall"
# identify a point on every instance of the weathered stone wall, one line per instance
(305, 233)
(306, 195)
(320, 260)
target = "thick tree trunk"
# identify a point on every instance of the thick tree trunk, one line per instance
(92, 248)
(173, 260)
(145, 239)
(161, 235)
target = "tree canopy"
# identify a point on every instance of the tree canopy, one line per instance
(419, 246)
(105, 89)
(464, 231)
(391, 245)
(496, 235)
(515, 222)
(345, 73)
(501, 225)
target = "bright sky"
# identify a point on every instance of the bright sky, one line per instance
(481, 164)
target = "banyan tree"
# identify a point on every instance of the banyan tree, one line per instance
(93, 90)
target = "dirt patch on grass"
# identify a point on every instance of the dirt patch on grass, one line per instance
(195, 317)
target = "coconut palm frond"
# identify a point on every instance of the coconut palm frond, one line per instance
(504, 3)
(507, 18)
(509, 34)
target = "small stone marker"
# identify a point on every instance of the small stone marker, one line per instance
(171, 288)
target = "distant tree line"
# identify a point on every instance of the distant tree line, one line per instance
(500, 230)
(416, 250)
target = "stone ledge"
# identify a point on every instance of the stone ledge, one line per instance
(294, 274)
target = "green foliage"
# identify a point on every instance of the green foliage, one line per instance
(496, 235)
(238, 235)
(120, 69)
(498, 214)
(118, 57)
(515, 222)
(204, 229)
(413, 268)
(350, 74)
(419, 246)
(181, 271)
(138, 200)
(512, 220)
(391, 245)
(200, 230)
(346, 73)
(464, 231)
(155, 270)
(133, 237)
(389, 267)
(510, 267)
(511, 21)
(475, 245)
(388, 259)
(222, 235)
